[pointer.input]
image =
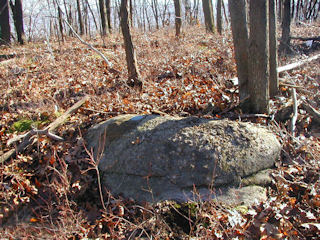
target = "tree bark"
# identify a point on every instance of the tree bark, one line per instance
(259, 57)
(208, 15)
(4, 22)
(238, 15)
(80, 17)
(286, 21)
(219, 16)
(178, 21)
(18, 19)
(133, 72)
(273, 47)
(103, 18)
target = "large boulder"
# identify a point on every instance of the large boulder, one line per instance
(153, 158)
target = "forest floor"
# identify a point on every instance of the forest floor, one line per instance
(50, 189)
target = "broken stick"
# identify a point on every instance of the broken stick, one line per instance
(312, 111)
(30, 136)
(288, 67)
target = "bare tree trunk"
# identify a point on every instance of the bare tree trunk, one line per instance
(178, 21)
(280, 8)
(133, 72)
(164, 13)
(5, 34)
(286, 22)
(219, 16)
(108, 10)
(131, 13)
(103, 18)
(239, 23)
(195, 11)
(208, 15)
(93, 16)
(80, 17)
(60, 23)
(292, 9)
(187, 13)
(273, 47)
(225, 13)
(259, 57)
(18, 19)
(154, 5)
(298, 10)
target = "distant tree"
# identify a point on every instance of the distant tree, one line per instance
(219, 16)
(18, 19)
(102, 17)
(208, 15)
(60, 20)
(80, 18)
(155, 10)
(108, 11)
(133, 72)
(285, 25)
(178, 21)
(4, 22)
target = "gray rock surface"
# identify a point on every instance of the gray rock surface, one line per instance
(153, 158)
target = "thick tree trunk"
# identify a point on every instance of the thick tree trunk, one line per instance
(80, 17)
(18, 19)
(4, 22)
(238, 15)
(219, 16)
(133, 72)
(178, 21)
(273, 46)
(286, 22)
(103, 18)
(108, 10)
(259, 57)
(208, 15)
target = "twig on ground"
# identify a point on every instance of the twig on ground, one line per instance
(295, 111)
(312, 111)
(109, 64)
(297, 64)
(29, 137)
(289, 66)
(306, 38)
(32, 133)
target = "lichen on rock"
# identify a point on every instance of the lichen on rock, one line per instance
(154, 158)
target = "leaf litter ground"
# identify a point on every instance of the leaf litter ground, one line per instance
(50, 190)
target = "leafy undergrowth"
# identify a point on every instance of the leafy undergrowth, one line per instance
(50, 190)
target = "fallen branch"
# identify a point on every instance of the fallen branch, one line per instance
(312, 111)
(32, 133)
(289, 85)
(306, 38)
(109, 64)
(52, 126)
(287, 67)
(295, 111)
(29, 137)
(7, 61)
(297, 64)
